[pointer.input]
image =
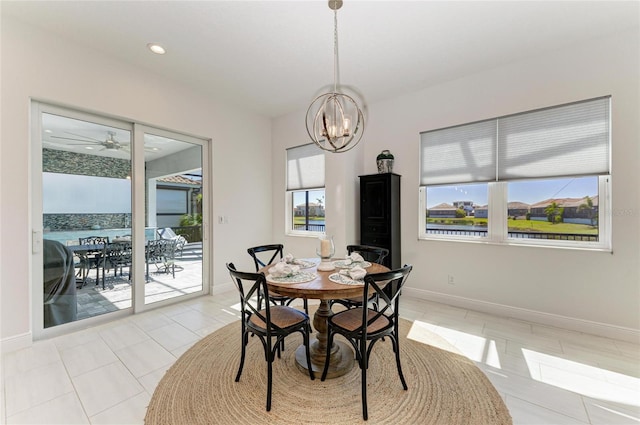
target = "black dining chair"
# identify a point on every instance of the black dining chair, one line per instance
(274, 321)
(373, 254)
(363, 326)
(263, 256)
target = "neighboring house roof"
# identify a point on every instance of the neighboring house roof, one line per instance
(180, 180)
(566, 202)
(443, 206)
(517, 205)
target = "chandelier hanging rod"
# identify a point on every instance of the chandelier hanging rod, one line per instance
(334, 120)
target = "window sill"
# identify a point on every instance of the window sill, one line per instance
(305, 234)
(518, 244)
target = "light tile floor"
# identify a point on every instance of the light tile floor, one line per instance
(107, 374)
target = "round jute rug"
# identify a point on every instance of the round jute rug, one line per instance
(444, 386)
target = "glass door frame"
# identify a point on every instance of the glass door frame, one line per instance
(138, 210)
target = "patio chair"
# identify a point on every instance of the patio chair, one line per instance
(116, 255)
(162, 253)
(275, 321)
(168, 234)
(91, 259)
(363, 326)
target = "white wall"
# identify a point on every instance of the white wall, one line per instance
(593, 291)
(43, 66)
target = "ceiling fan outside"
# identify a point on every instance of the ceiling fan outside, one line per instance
(110, 143)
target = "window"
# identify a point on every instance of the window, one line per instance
(305, 190)
(540, 177)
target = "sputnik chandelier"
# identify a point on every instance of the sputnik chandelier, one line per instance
(334, 120)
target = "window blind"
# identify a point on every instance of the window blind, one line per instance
(305, 167)
(561, 141)
(461, 154)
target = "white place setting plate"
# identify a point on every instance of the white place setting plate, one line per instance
(342, 264)
(344, 279)
(300, 277)
(304, 264)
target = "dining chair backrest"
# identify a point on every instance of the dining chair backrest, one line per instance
(264, 255)
(372, 254)
(118, 253)
(388, 287)
(161, 250)
(248, 286)
(93, 240)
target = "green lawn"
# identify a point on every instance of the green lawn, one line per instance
(301, 220)
(523, 225)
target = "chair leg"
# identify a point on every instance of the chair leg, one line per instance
(306, 346)
(245, 340)
(396, 348)
(364, 365)
(269, 378)
(327, 356)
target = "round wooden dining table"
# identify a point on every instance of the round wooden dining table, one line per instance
(322, 288)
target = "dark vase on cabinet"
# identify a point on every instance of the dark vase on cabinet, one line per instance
(380, 214)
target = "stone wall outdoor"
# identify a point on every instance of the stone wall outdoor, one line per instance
(57, 161)
(58, 222)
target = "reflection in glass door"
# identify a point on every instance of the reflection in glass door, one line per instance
(86, 218)
(173, 211)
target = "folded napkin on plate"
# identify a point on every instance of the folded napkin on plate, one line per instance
(282, 269)
(355, 273)
(354, 257)
(288, 259)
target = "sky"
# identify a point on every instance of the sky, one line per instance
(314, 195)
(528, 192)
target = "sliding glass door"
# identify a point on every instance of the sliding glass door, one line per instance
(117, 217)
(173, 209)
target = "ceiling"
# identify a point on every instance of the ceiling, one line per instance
(273, 57)
(97, 139)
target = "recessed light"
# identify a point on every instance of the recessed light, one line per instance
(156, 48)
(48, 131)
(89, 147)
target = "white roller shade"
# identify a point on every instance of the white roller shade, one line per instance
(561, 141)
(566, 140)
(305, 167)
(461, 154)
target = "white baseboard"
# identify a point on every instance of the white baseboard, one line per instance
(555, 320)
(221, 288)
(15, 343)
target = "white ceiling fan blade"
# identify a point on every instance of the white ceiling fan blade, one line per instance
(85, 137)
(87, 142)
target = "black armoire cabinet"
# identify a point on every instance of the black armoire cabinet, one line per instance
(380, 214)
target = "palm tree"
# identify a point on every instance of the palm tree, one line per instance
(554, 213)
(587, 206)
